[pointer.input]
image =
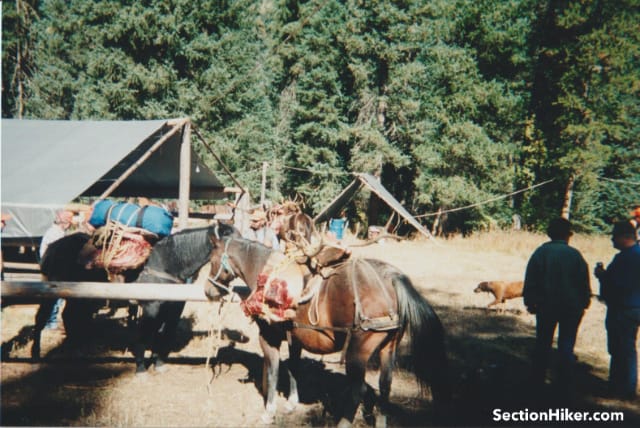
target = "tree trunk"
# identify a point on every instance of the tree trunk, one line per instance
(568, 195)
(436, 223)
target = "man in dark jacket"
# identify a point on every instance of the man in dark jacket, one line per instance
(620, 289)
(557, 291)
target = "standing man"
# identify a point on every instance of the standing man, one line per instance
(260, 231)
(59, 228)
(620, 289)
(557, 291)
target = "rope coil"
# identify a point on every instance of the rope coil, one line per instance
(121, 247)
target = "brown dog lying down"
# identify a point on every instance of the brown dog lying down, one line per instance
(501, 290)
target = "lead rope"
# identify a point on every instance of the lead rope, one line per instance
(357, 317)
(314, 313)
(215, 339)
(215, 335)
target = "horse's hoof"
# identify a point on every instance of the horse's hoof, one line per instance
(290, 406)
(267, 418)
(293, 400)
(369, 418)
(381, 421)
(344, 423)
(162, 368)
(141, 374)
(141, 370)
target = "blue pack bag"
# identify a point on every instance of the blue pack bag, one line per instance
(152, 218)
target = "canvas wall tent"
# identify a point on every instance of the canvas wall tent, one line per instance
(47, 164)
(372, 183)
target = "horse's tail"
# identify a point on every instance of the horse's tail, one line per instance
(427, 339)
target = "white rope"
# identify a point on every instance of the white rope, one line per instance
(617, 180)
(487, 201)
(215, 337)
(314, 171)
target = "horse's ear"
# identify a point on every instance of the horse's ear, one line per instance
(214, 229)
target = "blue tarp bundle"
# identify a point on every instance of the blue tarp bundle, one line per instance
(152, 218)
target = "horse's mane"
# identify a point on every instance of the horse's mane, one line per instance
(184, 253)
(257, 253)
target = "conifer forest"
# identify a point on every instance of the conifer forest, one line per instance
(515, 107)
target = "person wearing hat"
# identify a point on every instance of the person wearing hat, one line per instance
(557, 291)
(260, 232)
(59, 228)
(620, 290)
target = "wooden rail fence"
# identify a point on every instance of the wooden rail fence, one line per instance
(15, 292)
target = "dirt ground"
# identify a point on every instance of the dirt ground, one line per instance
(95, 385)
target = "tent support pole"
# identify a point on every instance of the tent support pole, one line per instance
(140, 161)
(185, 177)
(208, 147)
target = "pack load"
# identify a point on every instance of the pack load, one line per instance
(124, 236)
(152, 218)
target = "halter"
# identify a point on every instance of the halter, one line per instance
(224, 266)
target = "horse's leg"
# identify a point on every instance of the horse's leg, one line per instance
(271, 362)
(295, 349)
(387, 364)
(77, 318)
(42, 316)
(132, 313)
(147, 328)
(355, 369)
(171, 313)
(359, 351)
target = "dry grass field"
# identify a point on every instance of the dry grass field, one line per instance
(95, 385)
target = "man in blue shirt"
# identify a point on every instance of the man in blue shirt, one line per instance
(557, 291)
(620, 289)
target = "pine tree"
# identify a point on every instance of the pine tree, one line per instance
(585, 103)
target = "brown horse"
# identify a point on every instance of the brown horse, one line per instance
(362, 307)
(296, 226)
(290, 222)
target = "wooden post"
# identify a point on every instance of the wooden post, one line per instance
(185, 176)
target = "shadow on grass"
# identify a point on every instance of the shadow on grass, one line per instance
(489, 367)
(56, 394)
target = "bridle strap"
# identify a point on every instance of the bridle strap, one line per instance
(225, 266)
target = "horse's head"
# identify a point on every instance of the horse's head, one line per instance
(221, 273)
(317, 254)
